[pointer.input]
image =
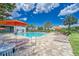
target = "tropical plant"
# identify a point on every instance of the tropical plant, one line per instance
(70, 20)
(40, 28)
(5, 9)
(47, 25)
(31, 27)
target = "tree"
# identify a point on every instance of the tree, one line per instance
(47, 25)
(70, 20)
(5, 9)
(40, 28)
(31, 27)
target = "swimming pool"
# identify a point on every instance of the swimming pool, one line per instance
(32, 34)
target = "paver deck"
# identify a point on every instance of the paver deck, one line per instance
(54, 44)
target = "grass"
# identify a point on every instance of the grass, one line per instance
(74, 40)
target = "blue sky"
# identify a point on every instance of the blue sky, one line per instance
(39, 13)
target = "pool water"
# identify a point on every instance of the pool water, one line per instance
(33, 34)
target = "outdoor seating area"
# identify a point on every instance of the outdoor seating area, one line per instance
(7, 49)
(9, 45)
(39, 29)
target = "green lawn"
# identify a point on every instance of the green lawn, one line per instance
(74, 40)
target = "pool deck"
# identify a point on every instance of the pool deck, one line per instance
(54, 44)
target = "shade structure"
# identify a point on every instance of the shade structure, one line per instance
(12, 23)
(2, 28)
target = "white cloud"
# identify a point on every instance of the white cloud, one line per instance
(10, 17)
(23, 19)
(45, 7)
(24, 6)
(19, 5)
(69, 9)
(28, 6)
(15, 13)
(39, 8)
(61, 18)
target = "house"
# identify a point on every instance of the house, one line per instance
(56, 28)
(13, 26)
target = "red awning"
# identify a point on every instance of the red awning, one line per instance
(12, 23)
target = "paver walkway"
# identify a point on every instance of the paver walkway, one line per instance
(54, 44)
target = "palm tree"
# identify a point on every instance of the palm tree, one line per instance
(47, 25)
(40, 28)
(5, 9)
(70, 20)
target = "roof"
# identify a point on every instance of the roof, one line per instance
(12, 23)
(57, 28)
